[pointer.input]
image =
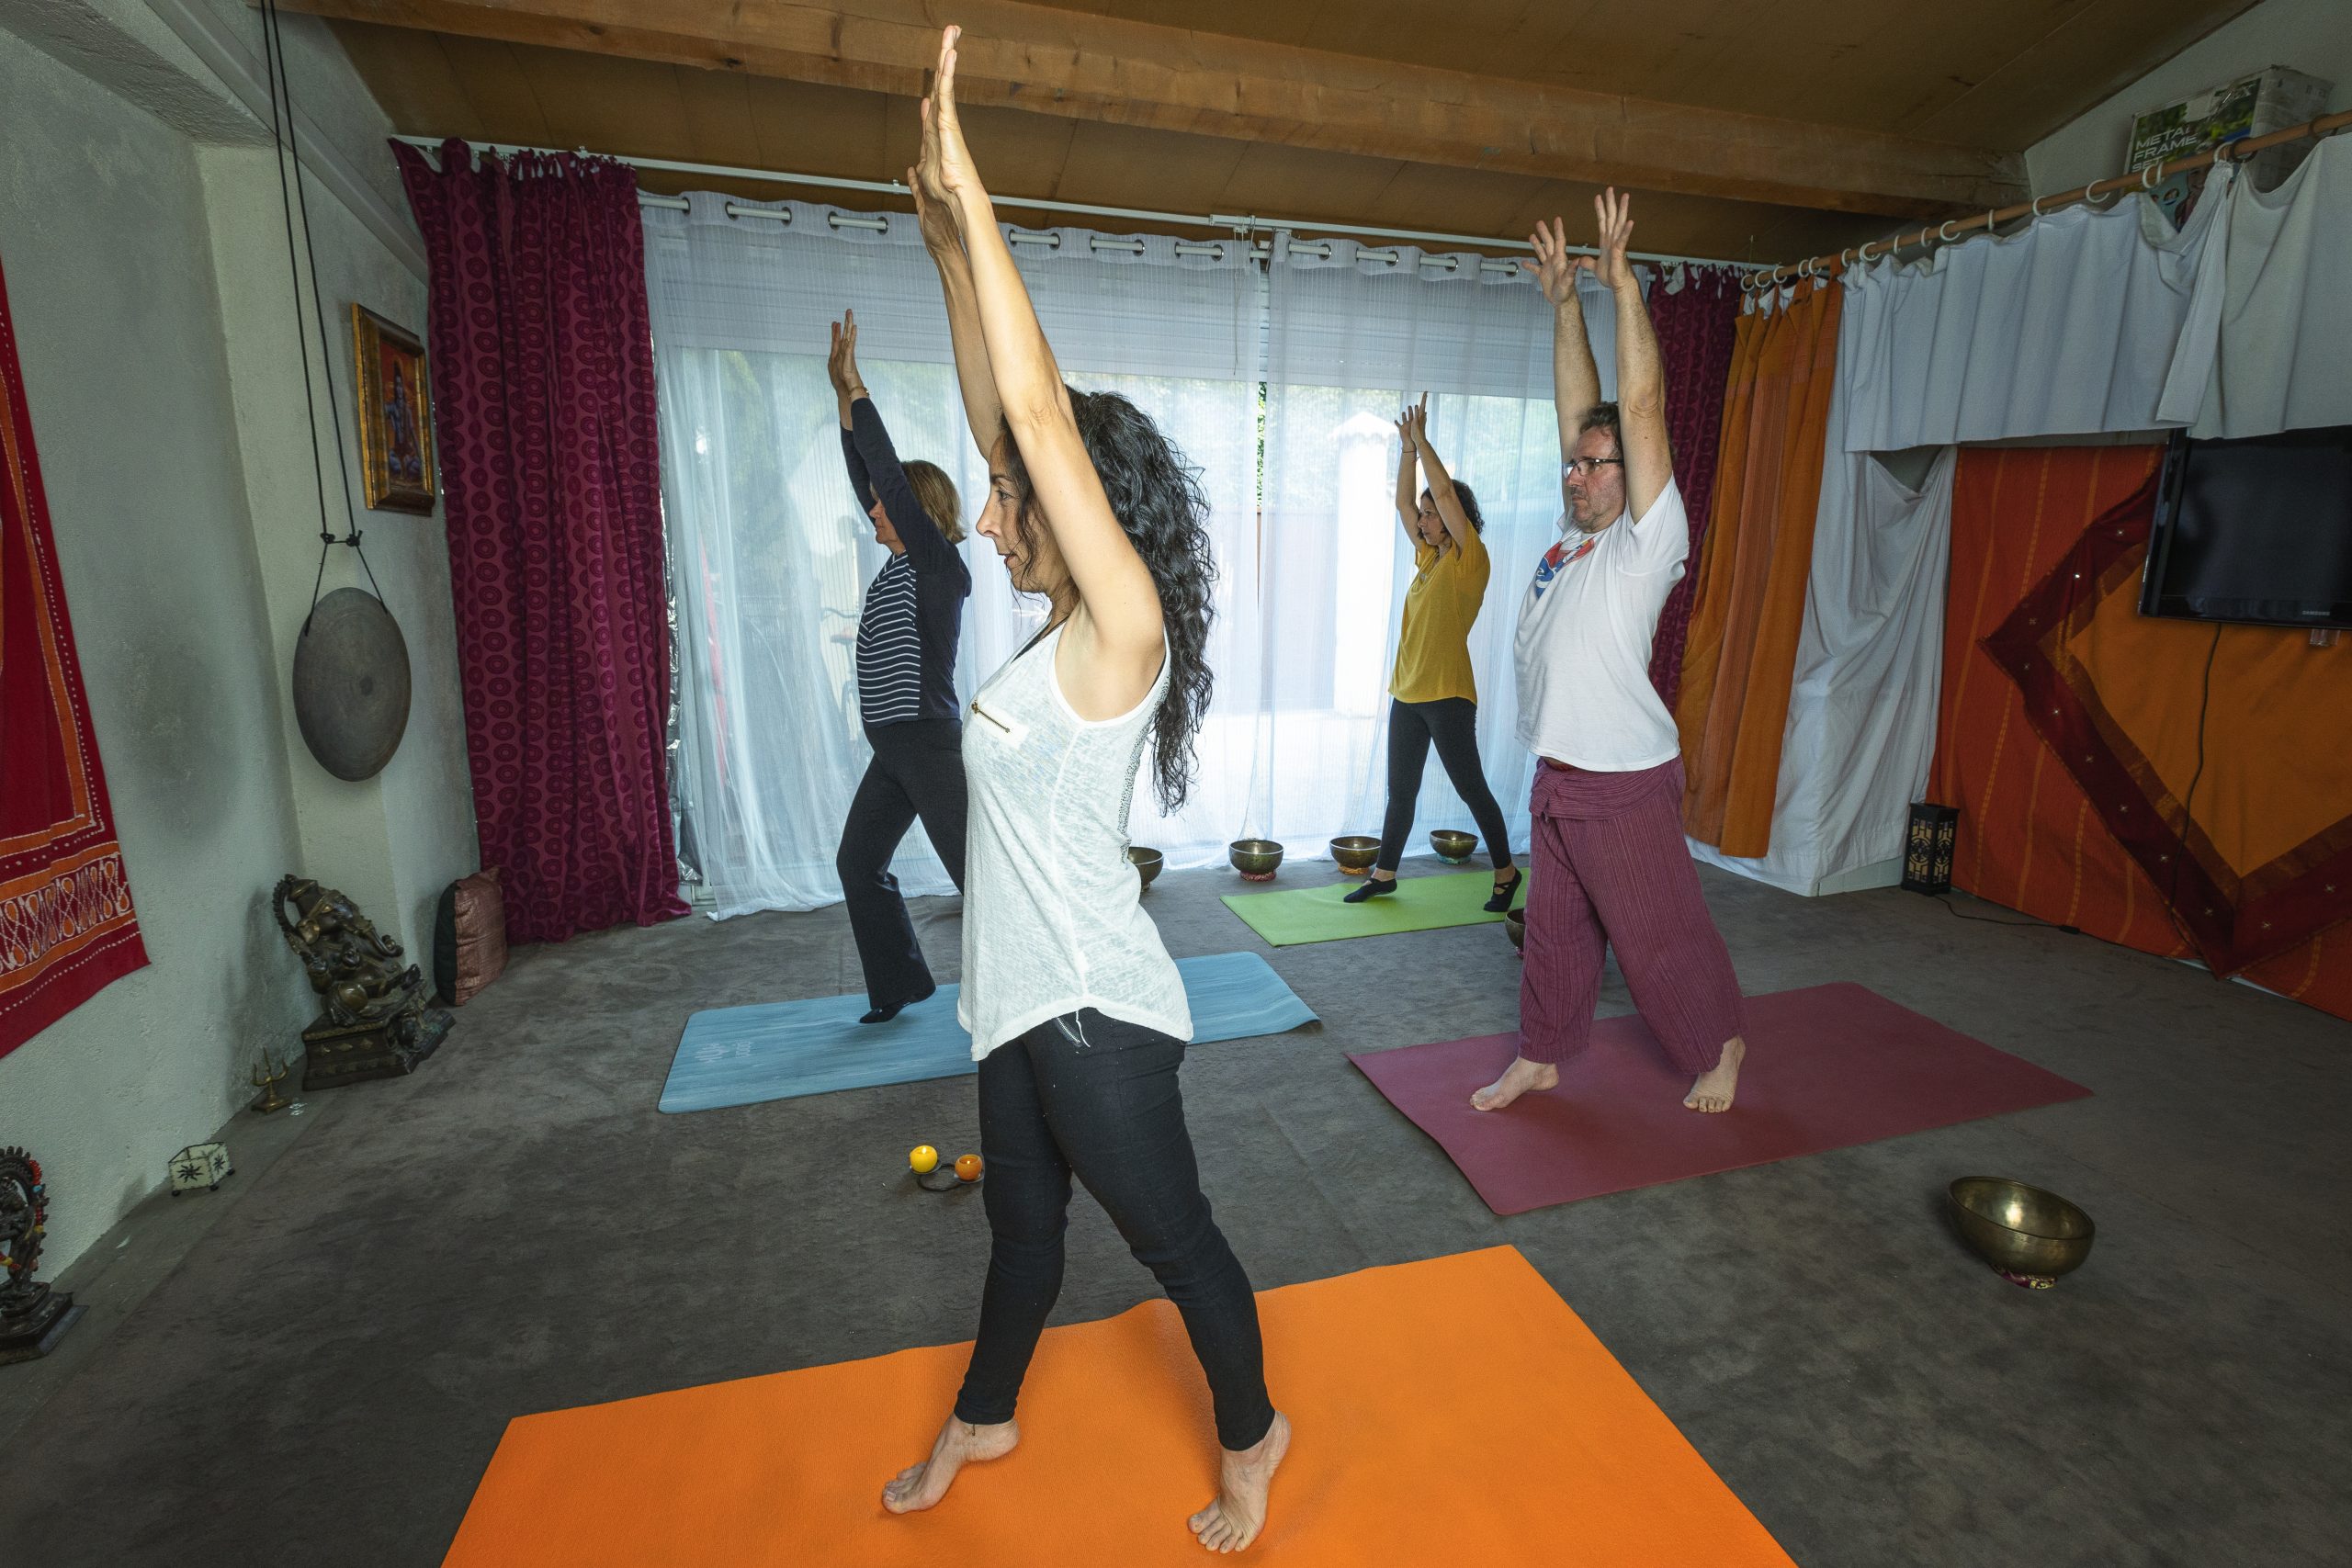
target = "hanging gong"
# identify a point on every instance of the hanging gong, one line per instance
(351, 685)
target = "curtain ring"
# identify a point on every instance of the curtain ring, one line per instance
(2034, 212)
(1943, 229)
(2148, 176)
(1862, 252)
(2092, 200)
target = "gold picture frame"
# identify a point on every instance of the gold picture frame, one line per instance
(395, 415)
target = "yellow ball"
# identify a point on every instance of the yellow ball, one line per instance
(925, 1159)
(967, 1168)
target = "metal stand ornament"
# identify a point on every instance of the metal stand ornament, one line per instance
(376, 1019)
(267, 1077)
(33, 1318)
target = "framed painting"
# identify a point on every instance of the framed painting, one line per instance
(395, 414)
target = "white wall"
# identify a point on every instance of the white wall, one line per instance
(2314, 37)
(140, 234)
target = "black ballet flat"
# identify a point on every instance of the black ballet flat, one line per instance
(1500, 902)
(1373, 888)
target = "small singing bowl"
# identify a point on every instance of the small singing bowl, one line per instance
(1355, 853)
(1148, 862)
(1255, 859)
(2022, 1229)
(1451, 844)
(1515, 922)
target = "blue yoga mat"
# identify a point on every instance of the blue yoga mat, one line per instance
(778, 1050)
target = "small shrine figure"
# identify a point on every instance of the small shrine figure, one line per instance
(32, 1315)
(376, 1019)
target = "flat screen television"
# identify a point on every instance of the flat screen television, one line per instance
(2257, 530)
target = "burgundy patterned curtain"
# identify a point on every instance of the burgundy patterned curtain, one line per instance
(1696, 324)
(542, 367)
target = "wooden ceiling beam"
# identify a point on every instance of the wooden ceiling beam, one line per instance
(1089, 67)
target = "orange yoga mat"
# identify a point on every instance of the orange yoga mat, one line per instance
(1451, 1411)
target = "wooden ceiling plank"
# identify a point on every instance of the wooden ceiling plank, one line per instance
(1076, 65)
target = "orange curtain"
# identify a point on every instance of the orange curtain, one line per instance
(1750, 598)
(2109, 836)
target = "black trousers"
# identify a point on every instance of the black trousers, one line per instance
(1088, 1094)
(1451, 722)
(918, 771)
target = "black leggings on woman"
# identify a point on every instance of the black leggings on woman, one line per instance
(1093, 1095)
(1453, 724)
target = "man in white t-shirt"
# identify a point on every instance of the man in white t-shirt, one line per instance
(1610, 865)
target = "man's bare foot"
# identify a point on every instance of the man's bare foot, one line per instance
(1521, 1076)
(1233, 1521)
(960, 1443)
(1713, 1092)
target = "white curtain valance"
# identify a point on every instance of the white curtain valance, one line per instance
(2280, 357)
(2070, 326)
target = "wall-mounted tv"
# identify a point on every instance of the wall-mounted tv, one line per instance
(2256, 530)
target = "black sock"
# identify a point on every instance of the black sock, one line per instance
(1373, 888)
(1503, 896)
(883, 1015)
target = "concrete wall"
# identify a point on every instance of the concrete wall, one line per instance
(141, 236)
(2314, 37)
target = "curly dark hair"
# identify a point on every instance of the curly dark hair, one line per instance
(1156, 497)
(1469, 498)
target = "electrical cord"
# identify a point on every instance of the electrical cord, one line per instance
(2189, 797)
(1950, 908)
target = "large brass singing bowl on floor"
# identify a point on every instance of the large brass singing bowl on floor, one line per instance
(1451, 844)
(1355, 853)
(1147, 861)
(1255, 859)
(2022, 1229)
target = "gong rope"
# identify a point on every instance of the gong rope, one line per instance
(281, 89)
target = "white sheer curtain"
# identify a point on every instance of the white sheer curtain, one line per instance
(770, 556)
(1354, 332)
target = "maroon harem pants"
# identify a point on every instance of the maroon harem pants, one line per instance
(1610, 870)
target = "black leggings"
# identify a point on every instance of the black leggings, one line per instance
(918, 771)
(1090, 1094)
(1452, 723)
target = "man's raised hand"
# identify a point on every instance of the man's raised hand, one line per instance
(1616, 215)
(1554, 269)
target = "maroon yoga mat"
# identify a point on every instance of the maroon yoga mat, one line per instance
(1828, 1068)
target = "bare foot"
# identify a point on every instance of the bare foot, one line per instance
(918, 1486)
(1233, 1521)
(1713, 1092)
(1519, 1078)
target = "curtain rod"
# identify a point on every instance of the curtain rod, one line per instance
(2143, 179)
(1238, 224)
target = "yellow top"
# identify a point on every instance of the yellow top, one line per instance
(1433, 645)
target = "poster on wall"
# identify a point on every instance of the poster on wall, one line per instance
(67, 929)
(395, 414)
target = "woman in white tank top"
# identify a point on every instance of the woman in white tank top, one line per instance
(1077, 1015)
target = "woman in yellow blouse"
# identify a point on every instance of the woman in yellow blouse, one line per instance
(1434, 696)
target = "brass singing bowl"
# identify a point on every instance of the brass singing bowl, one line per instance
(1255, 858)
(1515, 922)
(2022, 1228)
(1451, 844)
(1148, 862)
(1355, 853)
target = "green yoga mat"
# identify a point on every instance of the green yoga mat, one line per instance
(1419, 904)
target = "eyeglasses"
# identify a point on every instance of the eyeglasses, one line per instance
(1588, 466)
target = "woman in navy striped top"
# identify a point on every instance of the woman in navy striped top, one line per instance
(906, 688)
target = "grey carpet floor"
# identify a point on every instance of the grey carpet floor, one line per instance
(324, 1377)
